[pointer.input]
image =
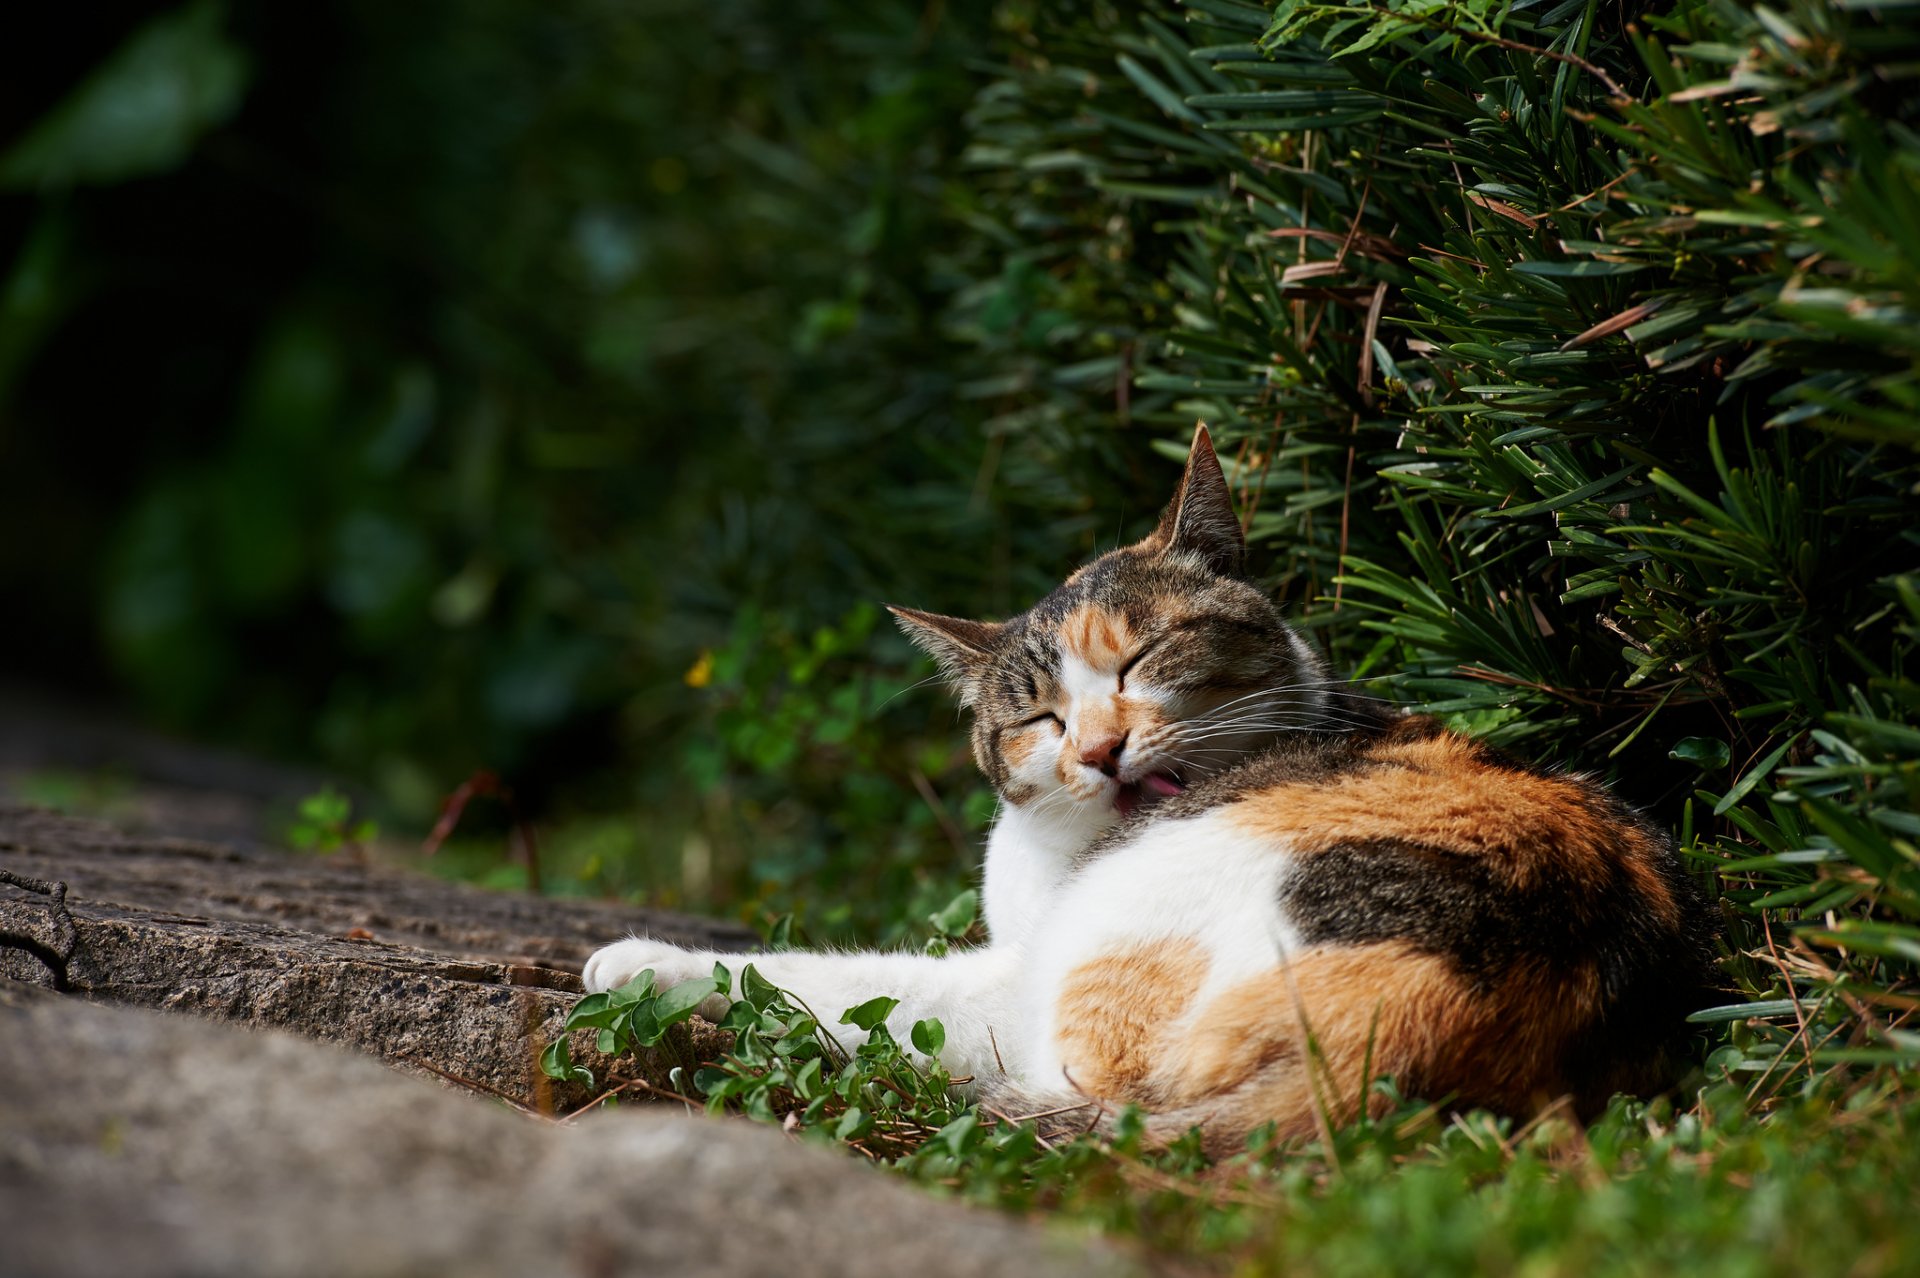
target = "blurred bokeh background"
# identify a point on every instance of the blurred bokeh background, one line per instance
(553, 389)
(536, 401)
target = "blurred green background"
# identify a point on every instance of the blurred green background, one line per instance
(557, 390)
(545, 388)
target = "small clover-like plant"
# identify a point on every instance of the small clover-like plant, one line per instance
(324, 823)
(952, 921)
(784, 1065)
(633, 1016)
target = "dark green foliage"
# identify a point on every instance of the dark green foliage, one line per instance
(1531, 402)
(428, 386)
(816, 762)
(638, 1014)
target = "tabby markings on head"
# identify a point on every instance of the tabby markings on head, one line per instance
(1150, 668)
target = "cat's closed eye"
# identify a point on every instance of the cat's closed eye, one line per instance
(1045, 716)
(1134, 660)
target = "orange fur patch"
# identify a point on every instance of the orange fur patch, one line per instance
(1114, 1013)
(1303, 1039)
(1444, 792)
(1017, 747)
(1101, 638)
(1303, 1042)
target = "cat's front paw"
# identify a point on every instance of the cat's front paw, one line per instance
(614, 965)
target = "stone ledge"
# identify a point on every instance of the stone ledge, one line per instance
(148, 1146)
(425, 974)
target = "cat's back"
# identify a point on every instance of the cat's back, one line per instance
(1411, 831)
(1406, 899)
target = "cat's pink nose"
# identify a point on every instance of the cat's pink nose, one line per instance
(1105, 755)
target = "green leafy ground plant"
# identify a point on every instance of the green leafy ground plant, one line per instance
(1711, 1187)
(324, 822)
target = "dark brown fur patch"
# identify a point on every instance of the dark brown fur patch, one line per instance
(1114, 1013)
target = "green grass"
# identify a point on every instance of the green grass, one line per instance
(1815, 1187)
(1731, 1175)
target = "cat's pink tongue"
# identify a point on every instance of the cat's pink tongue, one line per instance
(1162, 786)
(1148, 789)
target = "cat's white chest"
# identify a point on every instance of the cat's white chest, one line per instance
(1030, 858)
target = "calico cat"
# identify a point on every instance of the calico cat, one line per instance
(1226, 890)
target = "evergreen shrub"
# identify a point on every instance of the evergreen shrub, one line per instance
(1565, 361)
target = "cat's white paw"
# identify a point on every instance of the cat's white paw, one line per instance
(612, 966)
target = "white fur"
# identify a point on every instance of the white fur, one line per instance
(970, 992)
(1200, 879)
(1082, 685)
(1033, 844)
(1029, 857)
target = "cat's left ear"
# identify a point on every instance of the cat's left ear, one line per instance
(963, 648)
(1200, 519)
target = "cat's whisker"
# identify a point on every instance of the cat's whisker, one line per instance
(1188, 747)
(1308, 686)
(1272, 701)
(1254, 732)
(1191, 765)
(1331, 682)
(1056, 798)
(1283, 707)
(1268, 728)
(1263, 713)
(1258, 692)
(1254, 726)
(1316, 683)
(1289, 713)
(912, 687)
(1225, 706)
(1248, 712)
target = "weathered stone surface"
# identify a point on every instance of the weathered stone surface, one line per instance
(329, 896)
(420, 972)
(137, 1144)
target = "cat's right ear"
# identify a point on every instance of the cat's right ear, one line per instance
(1200, 519)
(963, 648)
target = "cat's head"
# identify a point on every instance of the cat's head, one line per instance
(1153, 666)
